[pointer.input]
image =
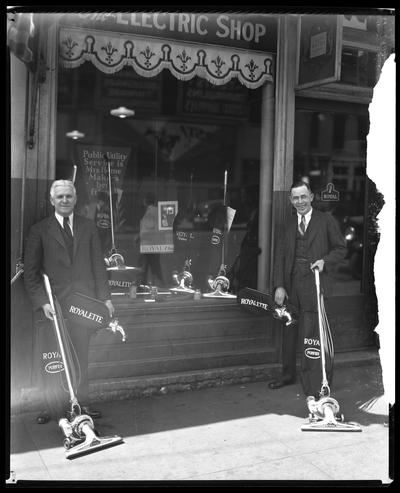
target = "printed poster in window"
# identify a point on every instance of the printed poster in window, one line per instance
(156, 234)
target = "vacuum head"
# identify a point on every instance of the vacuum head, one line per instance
(219, 294)
(183, 282)
(81, 438)
(219, 287)
(323, 416)
(92, 444)
(330, 426)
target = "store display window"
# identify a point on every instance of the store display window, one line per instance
(181, 166)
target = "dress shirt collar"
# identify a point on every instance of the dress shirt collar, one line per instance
(60, 219)
(306, 216)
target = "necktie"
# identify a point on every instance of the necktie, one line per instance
(303, 225)
(69, 237)
(67, 228)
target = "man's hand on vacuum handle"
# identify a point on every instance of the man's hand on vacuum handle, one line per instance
(318, 264)
(110, 307)
(280, 295)
(48, 311)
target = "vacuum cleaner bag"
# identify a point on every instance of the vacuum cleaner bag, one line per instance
(49, 369)
(311, 366)
(87, 312)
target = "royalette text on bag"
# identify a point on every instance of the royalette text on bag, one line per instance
(88, 311)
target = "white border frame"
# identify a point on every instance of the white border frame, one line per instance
(161, 204)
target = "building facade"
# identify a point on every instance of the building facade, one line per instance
(162, 118)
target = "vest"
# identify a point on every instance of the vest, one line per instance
(301, 262)
(300, 249)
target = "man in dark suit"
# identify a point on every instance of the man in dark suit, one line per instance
(311, 239)
(66, 247)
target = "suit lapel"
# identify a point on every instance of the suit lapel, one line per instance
(78, 230)
(292, 236)
(312, 228)
(53, 229)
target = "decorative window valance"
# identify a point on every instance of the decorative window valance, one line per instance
(111, 51)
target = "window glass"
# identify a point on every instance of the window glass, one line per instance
(358, 67)
(330, 154)
(189, 154)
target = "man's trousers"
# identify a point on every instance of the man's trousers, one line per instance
(303, 295)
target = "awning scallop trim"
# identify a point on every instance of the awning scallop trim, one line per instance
(111, 51)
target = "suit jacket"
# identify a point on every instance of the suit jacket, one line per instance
(46, 252)
(324, 241)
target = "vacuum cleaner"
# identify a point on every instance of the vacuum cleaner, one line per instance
(220, 284)
(120, 276)
(183, 280)
(323, 413)
(115, 260)
(80, 435)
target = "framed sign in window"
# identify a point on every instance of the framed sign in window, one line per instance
(319, 50)
(167, 210)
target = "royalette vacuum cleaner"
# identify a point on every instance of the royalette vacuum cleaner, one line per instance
(323, 413)
(183, 280)
(115, 261)
(220, 284)
(80, 435)
(120, 276)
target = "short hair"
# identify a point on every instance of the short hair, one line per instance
(300, 183)
(61, 183)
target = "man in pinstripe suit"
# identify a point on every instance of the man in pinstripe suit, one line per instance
(66, 247)
(311, 239)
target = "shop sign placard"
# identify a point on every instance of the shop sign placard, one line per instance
(94, 159)
(319, 50)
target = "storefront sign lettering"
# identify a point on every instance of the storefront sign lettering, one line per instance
(253, 31)
(226, 27)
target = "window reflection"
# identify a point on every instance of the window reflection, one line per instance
(171, 156)
(330, 154)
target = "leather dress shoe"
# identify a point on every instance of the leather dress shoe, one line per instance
(91, 412)
(277, 384)
(43, 417)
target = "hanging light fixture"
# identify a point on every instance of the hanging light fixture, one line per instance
(122, 112)
(75, 135)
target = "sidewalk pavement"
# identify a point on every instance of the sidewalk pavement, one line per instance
(240, 432)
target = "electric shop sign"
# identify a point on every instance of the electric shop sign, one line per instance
(248, 31)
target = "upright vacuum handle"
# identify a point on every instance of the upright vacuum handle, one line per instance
(316, 274)
(321, 328)
(60, 341)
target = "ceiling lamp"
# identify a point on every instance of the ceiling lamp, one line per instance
(75, 135)
(122, 112)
